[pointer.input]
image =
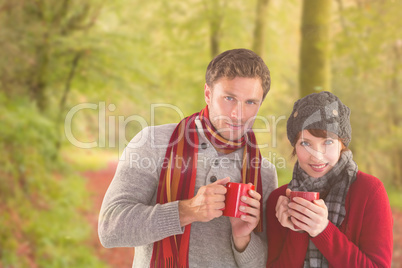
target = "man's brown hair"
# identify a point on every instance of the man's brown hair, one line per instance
(238, 63)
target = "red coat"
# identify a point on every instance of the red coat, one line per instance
(364, 238)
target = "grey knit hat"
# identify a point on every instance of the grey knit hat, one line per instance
(323, 111)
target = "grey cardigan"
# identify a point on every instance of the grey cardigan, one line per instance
(130, 217)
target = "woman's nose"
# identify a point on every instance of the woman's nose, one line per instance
(317, 153)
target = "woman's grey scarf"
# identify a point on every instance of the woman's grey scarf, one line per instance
(333, 188)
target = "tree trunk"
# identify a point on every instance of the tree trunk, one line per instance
(36, 80)
(63, 99)
(215, 10)
(259, 30)
(314, 70)
(215, 36)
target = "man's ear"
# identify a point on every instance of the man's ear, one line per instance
(207, 94)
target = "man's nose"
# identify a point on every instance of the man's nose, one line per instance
(237, 111)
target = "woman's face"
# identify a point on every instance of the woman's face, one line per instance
(317, 155)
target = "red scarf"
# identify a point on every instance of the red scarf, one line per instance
(178, 183)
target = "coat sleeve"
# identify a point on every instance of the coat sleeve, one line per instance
(129, 216)
(375, 242)
(286, 248)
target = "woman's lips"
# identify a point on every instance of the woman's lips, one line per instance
(319, 168)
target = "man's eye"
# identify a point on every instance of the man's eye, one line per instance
(229, 98)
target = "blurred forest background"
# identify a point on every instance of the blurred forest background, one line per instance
(78, 79)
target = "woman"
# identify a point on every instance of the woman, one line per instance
(351, 225)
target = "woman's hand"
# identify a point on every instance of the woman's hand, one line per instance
(311, 217)
(282, 211)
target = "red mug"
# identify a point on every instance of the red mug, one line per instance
(309, 196)
(232, 199)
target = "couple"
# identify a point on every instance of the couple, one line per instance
(173, 216)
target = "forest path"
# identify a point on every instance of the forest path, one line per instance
(97, 183)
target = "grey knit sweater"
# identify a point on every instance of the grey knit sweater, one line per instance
(130, 217)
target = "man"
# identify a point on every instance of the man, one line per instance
(173, 215)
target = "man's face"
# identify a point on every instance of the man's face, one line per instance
(233, 105)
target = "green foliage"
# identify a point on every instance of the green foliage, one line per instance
(395, 197)
(84, 160)
(37, 42)
(284, 176)
(134, 54)
(39, 195)
(367, 76)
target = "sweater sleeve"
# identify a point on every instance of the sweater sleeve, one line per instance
(374, 248)
(286, 248)
(129, 216)
(255, 255)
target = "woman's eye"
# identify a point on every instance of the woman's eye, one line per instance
(304, 143)
(229, 98)
(329, 142)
